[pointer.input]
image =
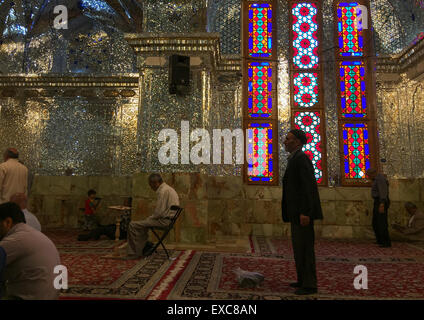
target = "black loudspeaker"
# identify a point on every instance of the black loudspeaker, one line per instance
(179, 74)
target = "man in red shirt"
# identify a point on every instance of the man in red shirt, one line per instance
(91, 206)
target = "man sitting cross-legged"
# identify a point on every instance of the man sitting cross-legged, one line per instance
(138, 230)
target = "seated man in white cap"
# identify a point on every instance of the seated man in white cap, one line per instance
(414, 230)
(138, 230)
(21, 200)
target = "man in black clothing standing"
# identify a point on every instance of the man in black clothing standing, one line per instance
(380, 194)
(301, 206)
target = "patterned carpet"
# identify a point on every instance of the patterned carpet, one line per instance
(335, 279)
(393, 273)
(91, 276)
(341, 250)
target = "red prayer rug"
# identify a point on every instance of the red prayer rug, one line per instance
(92, 276)
(393, 273)
(211, 276)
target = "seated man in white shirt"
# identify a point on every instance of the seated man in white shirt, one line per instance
(27, 258)
(138, 230)
(13, 175)
(415, 229)
(21, 200)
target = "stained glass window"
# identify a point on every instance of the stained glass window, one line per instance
(356, 150)
(260, 88)
(306, 82)
(260, 30)
(352, 89)
(259, 152)
(357, 96)
(305, 35)
(310, 123)
(350, 32)
(305, 90)
(259, 96)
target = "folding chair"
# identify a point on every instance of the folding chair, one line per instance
(165, 230)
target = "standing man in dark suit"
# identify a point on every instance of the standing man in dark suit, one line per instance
(380, 194)
(301, 206)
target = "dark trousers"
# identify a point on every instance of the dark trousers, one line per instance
(380, 224)
(90, 222)
(303, 240)
(108, 231)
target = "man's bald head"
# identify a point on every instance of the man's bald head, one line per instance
(20, 199)
(11, 153)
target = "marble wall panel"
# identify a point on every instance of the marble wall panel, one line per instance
(195, 213)
(262, 192)
(194, 235)
(227, 210)
(404, 190)
(224, 188)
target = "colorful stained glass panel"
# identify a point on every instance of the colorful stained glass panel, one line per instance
(259, 152)
(305, 35)
(305, 88)
(260, 30)
(259, 89)
(356, 150)
(310, 123)
(353, 89)
(350, 31)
